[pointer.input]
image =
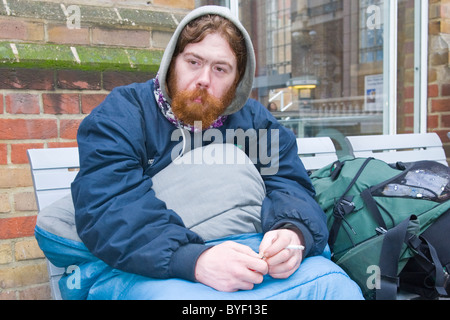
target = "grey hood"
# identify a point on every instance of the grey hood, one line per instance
(245, 86)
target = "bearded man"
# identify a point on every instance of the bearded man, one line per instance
(209, 230)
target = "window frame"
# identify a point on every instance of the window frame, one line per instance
(390, 62)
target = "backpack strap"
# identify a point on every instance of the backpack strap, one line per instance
(391, 249)
(427, 258)
(366, 195)
(390, 254)
(344, 205)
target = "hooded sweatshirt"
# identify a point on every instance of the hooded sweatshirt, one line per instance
(127, 140)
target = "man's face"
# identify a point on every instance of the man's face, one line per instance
(203, 83)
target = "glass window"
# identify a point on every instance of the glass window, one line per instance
(371, 30)
(322, 65)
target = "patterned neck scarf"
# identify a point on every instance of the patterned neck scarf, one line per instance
(166, 110)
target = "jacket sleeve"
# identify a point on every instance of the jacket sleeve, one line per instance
(117, 214)
(290, 193)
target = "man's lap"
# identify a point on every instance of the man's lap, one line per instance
(317, 278)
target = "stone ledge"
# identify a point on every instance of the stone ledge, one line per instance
(93, 15)
(54, 56)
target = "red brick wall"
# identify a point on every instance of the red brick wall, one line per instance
(42, 108)
(439, 71)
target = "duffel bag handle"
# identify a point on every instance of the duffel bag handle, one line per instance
(390, 254)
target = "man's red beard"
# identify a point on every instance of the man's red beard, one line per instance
(207, 109)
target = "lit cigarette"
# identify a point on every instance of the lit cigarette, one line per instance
(292, 247)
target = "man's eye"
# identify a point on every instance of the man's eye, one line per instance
(220, 69)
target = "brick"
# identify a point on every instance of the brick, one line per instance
(27, 250)
(19, 151)
(62, 144)
(440, 105)
(433, 121)
(185, 4)
(445, 90)
(41, 292)
(6, 253)
(18, 227)
(409, 93)
(3, 154)
(65, 103)
(445, 119)
(442, 134)
(81, 80)
(14, 129)
(432, 75)
(27, 79)
(25, 275)
(438, 59)
(433, 90)
(434, 27)
(22, 103)
(62, 35)
(160, 39)
(445, 26)
(408, 47)
(18, 29)
(90, 101)
(1, 103)
(5, 205)
(7, 295)
(25, 201)
(408, 107)
(115, 79)
(123, 38)
(69, 128)
(409, 121)
(15, 177)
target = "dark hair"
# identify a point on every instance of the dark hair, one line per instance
(199, 28)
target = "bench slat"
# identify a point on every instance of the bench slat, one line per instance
(316, 152)
(53, 158)
(400, 147)
(53, 179)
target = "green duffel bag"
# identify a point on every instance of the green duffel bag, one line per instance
(378, 214)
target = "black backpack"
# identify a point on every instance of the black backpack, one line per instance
(389, 224)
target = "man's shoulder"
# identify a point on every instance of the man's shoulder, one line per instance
(125, 103)
(252, 103)
(135, 89)
(254, 110)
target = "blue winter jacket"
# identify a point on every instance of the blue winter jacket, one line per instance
(124, 142)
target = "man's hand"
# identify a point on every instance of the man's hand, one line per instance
(230, 267)
(282, 262)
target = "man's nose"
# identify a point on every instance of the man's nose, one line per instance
(204, 78)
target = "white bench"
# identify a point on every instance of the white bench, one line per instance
(53, 170)
(316, 152)
(400, 147)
